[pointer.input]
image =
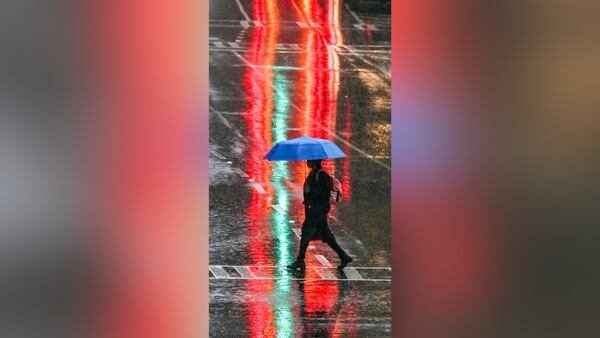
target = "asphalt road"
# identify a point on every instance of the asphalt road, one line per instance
(279, 70)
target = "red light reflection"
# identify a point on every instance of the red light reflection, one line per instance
(318, 92)
(257, 83)
(316, 97)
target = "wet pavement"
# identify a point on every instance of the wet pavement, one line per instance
(279, 70)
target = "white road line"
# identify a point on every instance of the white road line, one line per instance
(242, 10)
(386, 75)
(221, 117)
(245, 272)
(384, 280)
(273, 267)
(326, 274)
(323, 260)
(218, 155)
(244, 59)
(218, 271)
(225, 122)
(219, 44)
(320, 125)
(354, 15)
(352, 273)
(245, 24)
(258, 188)
(298, 232)
(225, 98)
(234, 44)
(278, 208)
(234, 113)
(240, 172)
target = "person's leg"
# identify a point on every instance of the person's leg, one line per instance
(304, 241)
(344, 257)
(330, 240)
(307, 234)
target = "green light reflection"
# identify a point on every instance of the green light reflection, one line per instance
(282, 233)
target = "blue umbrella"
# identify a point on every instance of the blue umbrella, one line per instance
(304, 148)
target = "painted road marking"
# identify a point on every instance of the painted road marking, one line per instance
(298, 232)
(242, 10)
(278, 208)
(256, 23)
(219, 44)
(224, 120)
(354, 15)
(326, 274)
(218, 155)
(240, 172)
(234, 112)
(386, 76)
(323, 260)
(317, 123)
(363, 27)
(245, 272)
(258, 188)
(219, 272)
(352, 273)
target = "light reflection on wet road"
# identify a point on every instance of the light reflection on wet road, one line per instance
(278, 70)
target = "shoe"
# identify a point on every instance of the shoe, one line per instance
(345, 261)
(297, 265)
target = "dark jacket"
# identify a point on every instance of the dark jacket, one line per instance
(317, 189)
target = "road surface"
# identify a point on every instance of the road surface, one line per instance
(279, 70)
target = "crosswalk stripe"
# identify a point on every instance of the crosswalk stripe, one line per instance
(326, 274)
(245, 271)
(259, 188)
(218, 155)
(278, 208)
(323, 260)
(352, 273)
(240, 172)
(248, 272)
(298, 232)
(218, 271)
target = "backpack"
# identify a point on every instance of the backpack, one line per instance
(336, 190)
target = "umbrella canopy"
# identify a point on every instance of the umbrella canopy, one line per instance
(304, 148)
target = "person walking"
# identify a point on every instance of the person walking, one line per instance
(317, 191)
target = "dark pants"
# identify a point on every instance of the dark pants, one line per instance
(315, 227)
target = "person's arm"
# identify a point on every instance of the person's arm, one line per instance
(308, 193)
(323, 190)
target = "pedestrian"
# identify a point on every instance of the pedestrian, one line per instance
(317, 191)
